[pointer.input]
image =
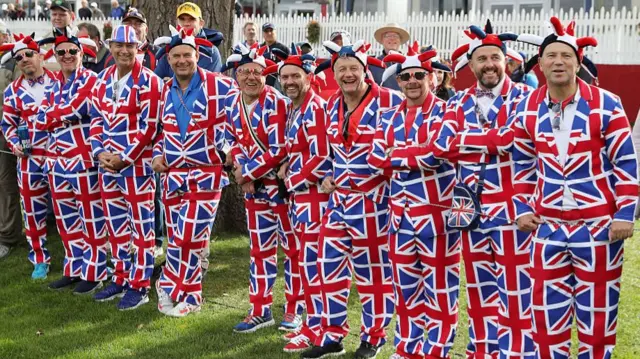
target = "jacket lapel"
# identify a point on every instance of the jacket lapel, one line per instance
(579, 126)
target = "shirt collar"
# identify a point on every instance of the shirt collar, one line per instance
(193, 84)
(497, 91)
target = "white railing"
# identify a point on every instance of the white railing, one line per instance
(615, 30)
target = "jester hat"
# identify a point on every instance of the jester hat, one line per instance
(243, 55)
(557, 33)
(358, 50)
(426, 60)
(22, 42)
(70, 35)
(306, 62)
(179, 36)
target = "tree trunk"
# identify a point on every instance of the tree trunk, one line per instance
(219, 15)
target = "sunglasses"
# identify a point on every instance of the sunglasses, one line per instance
(417, 75)
(247, 72)
(27, 54)
(72, 52)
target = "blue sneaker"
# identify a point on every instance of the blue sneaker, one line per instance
(291, 322)
(111, 292)
(133, 299)
(252, 323)
(40, 271)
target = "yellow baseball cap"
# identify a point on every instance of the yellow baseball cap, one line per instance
(190, 9)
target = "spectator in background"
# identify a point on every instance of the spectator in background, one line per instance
(444, 89)
(250, 30)
(46, 11)
(84, 12)
(271, 40)
(20, 14)
(238, 8)
(305, 47)
(11, 12)
(98, 63)
(97, 13)
(5, 11)
(391, 37)
(340, 36)
(516, 70)
(117, 11)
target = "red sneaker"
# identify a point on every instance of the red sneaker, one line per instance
(298, 344)
(290, 335)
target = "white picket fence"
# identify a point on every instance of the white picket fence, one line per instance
(615, 30)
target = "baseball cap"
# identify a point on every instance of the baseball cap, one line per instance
(61, 4)
(133, 13)
(268, 26)
(344, 34)
(94, 5)
(190, 9)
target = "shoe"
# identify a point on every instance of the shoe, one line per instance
(298, 344)
(253, 322)
(133, 299)
(40, 271)
(367, 351)
(330, 350)
(158, 251)
(63, 282)
(183, 309)
(4, 251)
(87, 287)
(111, 292)
(291, 335)
(291, 322)
(165, 304)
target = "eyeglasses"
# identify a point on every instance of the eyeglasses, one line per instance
(246, 72)
(417, 75)
(27, 54)
(390, 35)
(72, 52)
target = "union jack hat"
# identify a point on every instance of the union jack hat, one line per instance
(179, 36)
(124, 34)
(70, 35)
(557, 33)
(22, 42)
(480, 38)
(414, 59)
(357, 51)
(306, 62)
(245, 55)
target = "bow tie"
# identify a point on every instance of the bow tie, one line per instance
(484, 93)
(38, 80)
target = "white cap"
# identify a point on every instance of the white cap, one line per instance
(48, 2)
(93, 4)
(5, 6)
(3, 27)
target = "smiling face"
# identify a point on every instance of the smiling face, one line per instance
(415, 89)
(60, 18)
(124, 54)
(391, 41)
(183, 60)
(30, 63)
(139, 26)
(488, 65)
(68, 61)
(559, 64)
(349, 74)
(250, 79)
(295, 81)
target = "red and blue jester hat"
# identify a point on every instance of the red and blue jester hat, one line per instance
(426, 60)
(480, 38)
(22, 42)
(179, 37)
(245, 55)
(70, 35)
(307, 62)
(357, 50)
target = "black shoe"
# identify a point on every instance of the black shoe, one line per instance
(367, 351)
(330, 350)
(63, 283)
(86, 287)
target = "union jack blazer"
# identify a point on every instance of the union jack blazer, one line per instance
(600, 169)
(126, 125)
(466, 141)
(268, 119)
(20, 108)
(65, 112)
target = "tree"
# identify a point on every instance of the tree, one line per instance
(219, 15)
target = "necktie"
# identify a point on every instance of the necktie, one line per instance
(37, 80)
(484, 93)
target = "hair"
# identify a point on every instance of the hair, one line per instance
(247, 24)
(91, 29)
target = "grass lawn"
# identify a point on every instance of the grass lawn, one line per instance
(38, 323)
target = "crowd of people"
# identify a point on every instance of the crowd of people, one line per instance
(390, 181)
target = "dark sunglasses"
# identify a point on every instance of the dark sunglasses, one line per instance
(27, 54)
(418, 76)
(72, 52)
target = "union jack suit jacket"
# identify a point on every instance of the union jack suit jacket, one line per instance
(308, 148)
(600, 168)
(351, 171)
(268, 120)
(417, 177)
(65, 112)
(204, 140)
(20, 108)
(465, 141)
(126, 126)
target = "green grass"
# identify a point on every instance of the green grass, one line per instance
(38, 323)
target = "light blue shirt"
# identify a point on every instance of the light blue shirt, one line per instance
(183, 115)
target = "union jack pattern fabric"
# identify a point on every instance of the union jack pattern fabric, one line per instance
(495, 253)
(192, 186)
(424, 253)
(354, 233)
(575, 268)
(307, 147)
(20, 107)
(267, 213)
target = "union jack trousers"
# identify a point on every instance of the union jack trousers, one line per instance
(355, 229)
(307, 148)
(495, 254)
(19, 108)
(193, 184)
(424, 253)
(575, 268)
(267, 213)
(125, 124)
(73, 177)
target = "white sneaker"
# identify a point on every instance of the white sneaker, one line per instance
(165, 304)
(183, 309)
(158, 251)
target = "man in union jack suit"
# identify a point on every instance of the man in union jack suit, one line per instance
(257, 117)
(576, 188)
(126, 99)
(73, 176)
(354, 232)
(21, 101)
(189, 155)
(424, 252)
(475, 136)
(307, 148)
